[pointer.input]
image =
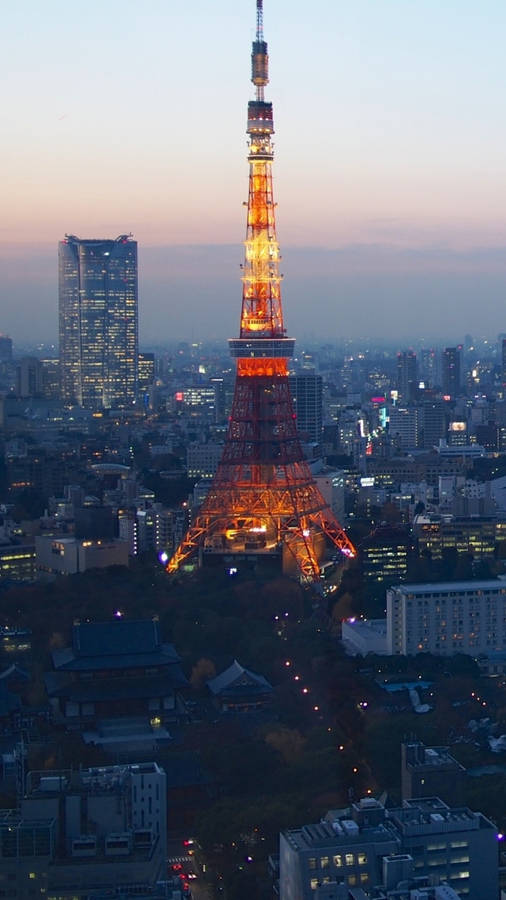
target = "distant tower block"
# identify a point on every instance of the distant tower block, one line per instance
(263, 499)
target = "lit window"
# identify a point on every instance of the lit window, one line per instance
(362, 858)
(311, 862)
(314, 884)
(338, 860)
(350, 859)
(324, 861)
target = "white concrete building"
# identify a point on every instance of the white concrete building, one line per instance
(447, 618)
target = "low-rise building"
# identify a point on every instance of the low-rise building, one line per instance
(239, 690)
(367, 846)
(430, 772)
(61, 555)
(89, 830)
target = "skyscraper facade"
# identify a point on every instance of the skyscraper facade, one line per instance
(98, 321)
(452, 371)
(407, 383)
(307, 393)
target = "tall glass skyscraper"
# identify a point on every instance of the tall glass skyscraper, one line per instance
(98, 321)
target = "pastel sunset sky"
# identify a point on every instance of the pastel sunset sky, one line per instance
(390, 165)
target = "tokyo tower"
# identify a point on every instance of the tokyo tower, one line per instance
(263, 499)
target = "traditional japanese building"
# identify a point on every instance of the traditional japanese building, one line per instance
(239, 690)
(114, 671)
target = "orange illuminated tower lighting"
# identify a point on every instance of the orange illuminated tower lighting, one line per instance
(263, 498)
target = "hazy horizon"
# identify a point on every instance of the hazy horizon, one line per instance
(357, 291)
(389, 160)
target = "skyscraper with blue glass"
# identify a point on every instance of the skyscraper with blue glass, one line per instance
(98, 321)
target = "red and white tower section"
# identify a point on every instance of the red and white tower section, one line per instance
(263, 499)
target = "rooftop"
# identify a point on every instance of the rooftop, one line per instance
(237, 679)
(97, 779)
(441, 587)
(109, 645)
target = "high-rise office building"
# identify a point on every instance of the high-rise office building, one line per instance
(429, 368)
(404, 427)
(98, 321)
(307, 393)
(452, 371)
(433, 423)
(407, 383)
(146, 371)
(29, 377)
(5, 349)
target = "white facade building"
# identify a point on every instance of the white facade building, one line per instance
(447, 618)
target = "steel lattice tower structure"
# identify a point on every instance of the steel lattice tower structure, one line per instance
(263, 495)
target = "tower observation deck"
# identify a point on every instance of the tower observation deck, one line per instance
(263, 499)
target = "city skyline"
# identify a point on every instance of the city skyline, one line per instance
(389, 171)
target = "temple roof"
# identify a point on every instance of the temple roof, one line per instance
(236, 679)
(112, 645)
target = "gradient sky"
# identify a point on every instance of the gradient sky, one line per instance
(390, 168)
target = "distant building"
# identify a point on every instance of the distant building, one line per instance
(5, 349)
(98, 322)
(429, 368)
(146, 371)
(17, 562)
(62, 555)
(51, 378)
(332, 484)
(407, 376)
(431, 772)
(474, 535)
(307, 392)
(384, 554)
(201, 404)
(202, 459)
(29, 377)
(403, 427)
(433, 423)
(451, 370)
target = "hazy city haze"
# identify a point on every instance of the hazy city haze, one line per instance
(389, 167)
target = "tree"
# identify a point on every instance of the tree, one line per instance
(203, 671)
(288, 742)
